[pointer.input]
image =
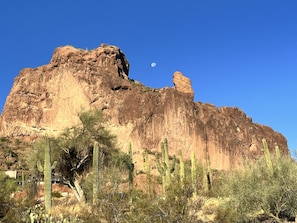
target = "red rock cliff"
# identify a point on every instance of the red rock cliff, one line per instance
(47, 99)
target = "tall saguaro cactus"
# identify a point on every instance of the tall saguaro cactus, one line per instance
(194, 173)
(164, 167)
(95, 171)
(207, 174)
(47, 172)
(277, 153)
(147, 168)
(267, 156)
(131, 167)
(181, 168)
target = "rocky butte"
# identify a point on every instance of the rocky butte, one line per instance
(48, 98)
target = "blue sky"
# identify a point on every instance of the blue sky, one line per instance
(240, 53)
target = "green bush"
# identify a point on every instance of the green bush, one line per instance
(7, 187)
(56, 194)
(255, 192)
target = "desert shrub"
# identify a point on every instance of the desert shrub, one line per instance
(116, 203)
(111, 202)
(37, 214)
(255, 192)
(175, 206)
(56, 194)
(7, 187)
(121, 160)
(112, 174)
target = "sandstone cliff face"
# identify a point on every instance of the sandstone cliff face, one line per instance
(47, 99)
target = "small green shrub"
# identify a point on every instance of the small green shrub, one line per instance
(146, 89)
(56, 194)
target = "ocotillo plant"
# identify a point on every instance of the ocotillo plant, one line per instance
(164, 167)
(47, 172)
(194, 173)
(267, 156)
(95, 171)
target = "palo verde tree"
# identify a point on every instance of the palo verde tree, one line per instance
(75, 146)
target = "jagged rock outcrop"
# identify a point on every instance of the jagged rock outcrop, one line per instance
(182, 84)
(47, 99)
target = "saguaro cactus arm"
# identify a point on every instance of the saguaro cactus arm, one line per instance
(164, 166)
(172, 166)
(160, 167)
(39, 166)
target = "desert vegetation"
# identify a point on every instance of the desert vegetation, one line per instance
(104, 186)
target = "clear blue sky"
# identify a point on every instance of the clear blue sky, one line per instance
(240, 53)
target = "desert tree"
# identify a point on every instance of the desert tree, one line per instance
(75, 147)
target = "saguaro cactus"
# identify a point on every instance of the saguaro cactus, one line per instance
(267, 156)
(95, 171)
(277, 152)
(181, 168)
(194, 173)
(207, 173)
(131, 167)
(164, 167)
(147, 168)
(47, 172)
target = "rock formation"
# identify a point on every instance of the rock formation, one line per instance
(48, 98)
(182, 84)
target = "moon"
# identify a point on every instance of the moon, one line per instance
(153, 64)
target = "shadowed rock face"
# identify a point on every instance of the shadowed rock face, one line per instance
(47, 99)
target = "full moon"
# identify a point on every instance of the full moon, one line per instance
(153, 64)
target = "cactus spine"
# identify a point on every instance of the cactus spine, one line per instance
(194, 173)
(47, 172)
(164, 167)
(95, 171)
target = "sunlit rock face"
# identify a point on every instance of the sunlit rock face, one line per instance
(47, 99)
(183, 84)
